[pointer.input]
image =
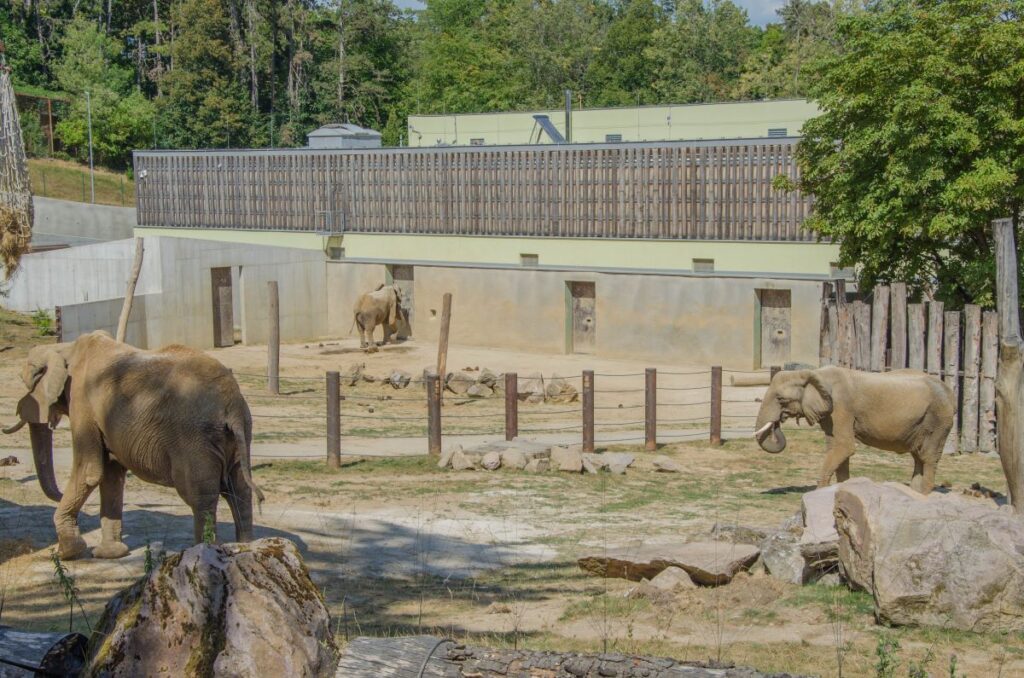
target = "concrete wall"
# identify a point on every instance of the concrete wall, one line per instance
(731, 120)
(789, 258)
(79, 319)
(78, 275)
(76, 223)
(684, 319)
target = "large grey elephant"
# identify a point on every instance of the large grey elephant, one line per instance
(382, 307)
(903, 411)
(173, 417)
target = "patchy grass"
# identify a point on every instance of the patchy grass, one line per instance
(70, 181)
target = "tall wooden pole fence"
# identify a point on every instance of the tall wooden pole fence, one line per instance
(961, 348)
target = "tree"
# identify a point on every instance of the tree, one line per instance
(121, 115)
(921, 142)
(620, 72)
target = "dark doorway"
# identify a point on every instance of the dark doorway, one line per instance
(582, 306)
(775, 322)
(402, 275)
(223, 307)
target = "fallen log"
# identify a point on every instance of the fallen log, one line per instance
(431, 657)
(28, 653)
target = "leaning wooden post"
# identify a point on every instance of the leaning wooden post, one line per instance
(274, 340)
(434, 414)
(129, 294)
(1010, 375)
(716, 405)
(650, 409)
(442, 342)
(588, 411)
(334, 419)
(511, 405)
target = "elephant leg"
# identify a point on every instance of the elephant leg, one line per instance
(843, 471)
(111, 510)
(923, 479)
(837, 456)
(86, 474)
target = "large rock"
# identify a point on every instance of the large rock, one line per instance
(513, 458)
(593, 463)
(782, 559)
(446, 456)
(936, 560)
(569, 459)
(399, 379)
(819, 543)
(459, 382)
(665, 464)
(558, 390)
(531, 389)
(673, 579)
(354, 374)
(462, 461)
(491, 461)
(487, 378)
(219, 610)
(538, 465)
(618, 462)
(707, 563)
(479, 391)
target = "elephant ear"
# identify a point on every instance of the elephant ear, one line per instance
(816, 402)
(392, 307)
(45, 381)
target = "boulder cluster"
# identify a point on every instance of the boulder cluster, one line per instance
(473, 382)
(948, 559)
(534, 457)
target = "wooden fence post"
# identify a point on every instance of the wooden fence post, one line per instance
(716, 405)
(898, 325)
(433, 414)
(844, 327)
(1010, 379)
(934, 357)
(952, 378)
(511, 405)
(915, 336)
(129, 294)
(334, 419)
(650, 409)
(825, 332)
(442, 342)
(588, 411)
(972, 363)
(862, 335)
(274, 340)
(987, 389)
(879, 327)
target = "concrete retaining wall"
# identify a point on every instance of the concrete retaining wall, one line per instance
(77, 223)
(79, 319)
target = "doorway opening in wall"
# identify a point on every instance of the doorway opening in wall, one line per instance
(580, 321)
(403, 276)
(773, 319)
(222, 281)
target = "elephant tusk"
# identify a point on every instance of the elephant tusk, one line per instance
(14, 428)
(761, 431)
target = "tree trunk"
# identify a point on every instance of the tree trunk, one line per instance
(1010, 376)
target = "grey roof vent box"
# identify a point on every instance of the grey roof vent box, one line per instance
(344, 135)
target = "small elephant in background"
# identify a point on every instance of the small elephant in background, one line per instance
(381, 307)
(904, 411)
(174, 417)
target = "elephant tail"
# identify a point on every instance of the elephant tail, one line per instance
(245, 459)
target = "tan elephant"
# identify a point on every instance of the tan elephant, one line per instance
(174, 417)
(904, 411)
(381, 307)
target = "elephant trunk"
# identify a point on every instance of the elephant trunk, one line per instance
(767, 429)
(42, 454)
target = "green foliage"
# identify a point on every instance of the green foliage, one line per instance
(66, 583)
(209, 529)
(887, 656)
(919, 669)
(148, 563)
(43, 323)
(921, 143)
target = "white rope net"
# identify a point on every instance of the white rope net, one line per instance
(15, 190)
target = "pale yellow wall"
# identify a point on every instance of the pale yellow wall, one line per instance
(738, 120)
(742, 257)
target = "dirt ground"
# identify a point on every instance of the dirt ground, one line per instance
(400, 546)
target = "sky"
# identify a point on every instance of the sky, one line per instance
(760, 12)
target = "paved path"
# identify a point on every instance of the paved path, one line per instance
(315, 448)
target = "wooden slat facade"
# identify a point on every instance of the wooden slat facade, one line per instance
(670, 190)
